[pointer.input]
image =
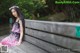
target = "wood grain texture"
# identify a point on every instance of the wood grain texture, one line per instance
(63, 28)
(47, 46)
(55, 39)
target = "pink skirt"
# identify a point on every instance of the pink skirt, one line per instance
(9, 41)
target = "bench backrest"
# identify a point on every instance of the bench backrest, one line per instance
(53, 36)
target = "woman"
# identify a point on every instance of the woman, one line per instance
(17, 32)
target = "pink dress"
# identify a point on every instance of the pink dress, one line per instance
(13, 38)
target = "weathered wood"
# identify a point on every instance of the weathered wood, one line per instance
(55, 39)
(67, 29)
(47, 46)
(26, 48)
(59, 33)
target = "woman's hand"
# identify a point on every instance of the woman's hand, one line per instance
(19, 43)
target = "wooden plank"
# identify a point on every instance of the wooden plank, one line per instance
(55, 39)
(26, 48)
(29, 48)
(49, 47)
(15, 50)
(67, 29)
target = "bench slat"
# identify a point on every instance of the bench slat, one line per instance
(49, 47)
(26, 47)
(55, 39)
(67, 29)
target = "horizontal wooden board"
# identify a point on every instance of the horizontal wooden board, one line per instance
(63, 28)
(49, 47)
(55, 39)
(26, 47)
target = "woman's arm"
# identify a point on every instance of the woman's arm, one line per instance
(21, 32)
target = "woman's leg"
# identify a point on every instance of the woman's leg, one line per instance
(0, 45)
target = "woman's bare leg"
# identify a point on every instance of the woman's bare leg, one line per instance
(0, 45)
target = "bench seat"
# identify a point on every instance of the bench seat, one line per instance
(26, 47)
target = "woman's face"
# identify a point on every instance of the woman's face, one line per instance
(14, 13)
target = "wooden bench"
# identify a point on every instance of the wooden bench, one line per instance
(49, 37)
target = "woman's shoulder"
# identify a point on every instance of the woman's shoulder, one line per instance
(20, 21)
